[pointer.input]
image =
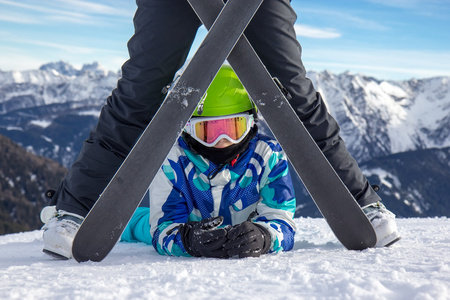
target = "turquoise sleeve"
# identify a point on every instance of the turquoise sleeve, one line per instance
(138, 229)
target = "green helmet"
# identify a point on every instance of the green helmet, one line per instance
(225, 96)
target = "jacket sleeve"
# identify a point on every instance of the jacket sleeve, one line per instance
(277, 206)
(138, 229)
(168, 210)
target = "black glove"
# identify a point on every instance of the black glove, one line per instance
(248, 240)
(204, 238)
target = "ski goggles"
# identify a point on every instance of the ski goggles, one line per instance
(209, 130)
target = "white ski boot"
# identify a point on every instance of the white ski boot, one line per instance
(384, 223)
(59, 231)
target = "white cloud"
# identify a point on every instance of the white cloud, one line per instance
(28, 12)
(432, 8)
(316, 33)
(343, 17)
(11, 60)
(409, 4)
(396, 3)
(94, 8)
(71, 49)
(18, 18)
(38, 8)
(20, 58)
(68, 11)
(380, 63)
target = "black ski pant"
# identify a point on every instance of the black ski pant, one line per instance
(164, 32)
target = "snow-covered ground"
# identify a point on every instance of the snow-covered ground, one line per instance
(417, 267)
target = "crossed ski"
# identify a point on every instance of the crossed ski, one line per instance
(333, 199)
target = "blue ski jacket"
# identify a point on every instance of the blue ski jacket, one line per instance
(188, 187)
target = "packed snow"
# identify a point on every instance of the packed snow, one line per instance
(319, 267)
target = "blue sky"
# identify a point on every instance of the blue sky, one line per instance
(387, 39)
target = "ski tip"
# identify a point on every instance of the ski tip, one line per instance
(84, 250)
(83, 257)
(359, 242)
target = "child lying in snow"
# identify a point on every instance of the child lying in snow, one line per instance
(224, 190)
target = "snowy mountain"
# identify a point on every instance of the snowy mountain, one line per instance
(39, 108)
(319, 267)
(50, 112)
(379, 118)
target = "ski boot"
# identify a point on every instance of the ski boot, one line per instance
(384, 224)
(59, 231)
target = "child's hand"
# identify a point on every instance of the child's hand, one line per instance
(204, 238)
(247, 240)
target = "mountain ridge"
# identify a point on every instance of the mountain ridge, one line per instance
(377, 117)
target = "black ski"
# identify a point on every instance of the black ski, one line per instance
(109, 216)
(335, 202)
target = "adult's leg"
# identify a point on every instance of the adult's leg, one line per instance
(273, 37)
(164, 32)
